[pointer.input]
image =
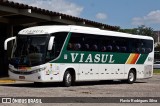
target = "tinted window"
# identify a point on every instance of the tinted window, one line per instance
(57, 46)
(100, 43)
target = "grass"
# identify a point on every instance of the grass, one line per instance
(156, 71)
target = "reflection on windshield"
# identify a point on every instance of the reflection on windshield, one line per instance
(29, 50)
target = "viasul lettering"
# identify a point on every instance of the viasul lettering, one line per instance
(90, 58)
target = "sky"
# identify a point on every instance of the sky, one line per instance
(123, 13)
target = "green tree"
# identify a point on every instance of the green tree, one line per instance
(141, 30)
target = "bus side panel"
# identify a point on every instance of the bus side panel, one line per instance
(100, 72)
(111, 71)
(88, 72)
(148, 65)
(52, 73)
(64, 67)
(138, 67)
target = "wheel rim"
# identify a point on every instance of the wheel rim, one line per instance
(131, 76)
(68, 78)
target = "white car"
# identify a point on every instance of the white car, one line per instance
(156, 64)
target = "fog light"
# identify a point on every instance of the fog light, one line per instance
(51, 78)
(39, 77)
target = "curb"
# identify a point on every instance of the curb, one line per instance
(4, 81)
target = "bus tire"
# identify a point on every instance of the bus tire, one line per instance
(131, 77)
(67, 80)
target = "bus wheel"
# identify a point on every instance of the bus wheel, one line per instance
(131, 77)
(67, 80)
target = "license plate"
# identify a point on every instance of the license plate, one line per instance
(21, 77)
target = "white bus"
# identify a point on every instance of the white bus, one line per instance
(68, 53)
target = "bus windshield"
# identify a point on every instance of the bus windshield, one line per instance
(29, 50)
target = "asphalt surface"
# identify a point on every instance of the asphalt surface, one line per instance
(141, 88)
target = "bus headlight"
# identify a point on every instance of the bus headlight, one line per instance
(38, 70)
(27, 72)
(10, 70)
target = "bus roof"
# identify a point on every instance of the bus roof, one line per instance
(79, 29)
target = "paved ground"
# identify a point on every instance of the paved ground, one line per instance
(141, 88)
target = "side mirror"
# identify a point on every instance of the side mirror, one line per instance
(50, 44)
(7, 40)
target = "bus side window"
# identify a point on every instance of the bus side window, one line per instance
(147, 46)
(76, 42)
(148, 50)
(86, 47)
(94, 47)
(109, 48)
(143, 50)
(77, 46)
(123, 49)
(117, 48)
(70, 46)
(137, 50)
(57, 45)
(103, 49)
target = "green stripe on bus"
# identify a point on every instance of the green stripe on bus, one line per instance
(92, 57)
(142, 58)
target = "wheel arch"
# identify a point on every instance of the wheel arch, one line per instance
(134, 69)
(72, 72)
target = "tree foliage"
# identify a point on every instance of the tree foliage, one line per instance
(141, 30)
(157, 48)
